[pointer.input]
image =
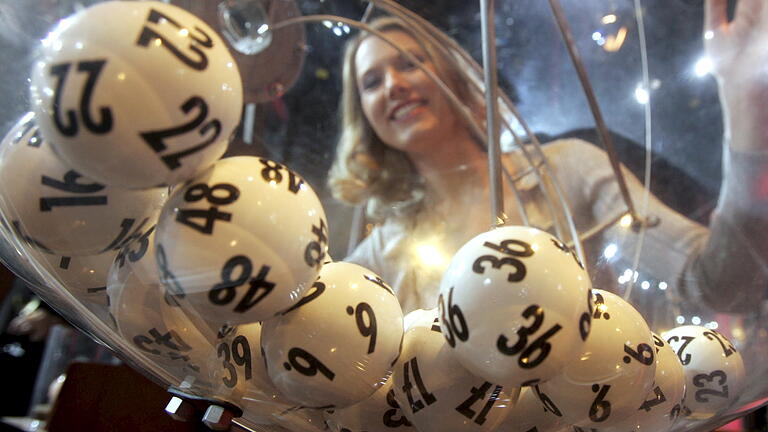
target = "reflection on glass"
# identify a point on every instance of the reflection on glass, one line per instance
(245, 24)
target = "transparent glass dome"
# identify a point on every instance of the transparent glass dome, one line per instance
(261, 223)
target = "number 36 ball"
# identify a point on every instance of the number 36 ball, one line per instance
(515, 305)
(242, 241)
(136, 94)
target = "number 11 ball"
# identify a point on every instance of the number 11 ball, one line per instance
(136, 94)
(515, 305)
(242, 241)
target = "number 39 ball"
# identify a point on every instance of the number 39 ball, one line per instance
(136, 94)
(515, 305)
(242, 241)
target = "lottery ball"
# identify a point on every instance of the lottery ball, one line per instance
(85, 277)
(151, 320)
(242, 241)
(515, 305)
(338, 344)
(610, 378)
(663, 404)
(529, 414)
(136, 94)
(55, 209)
(436, 393)
(379, 413)
(714, 370)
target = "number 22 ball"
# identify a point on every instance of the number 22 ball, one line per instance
(515, 305)
(136, 94)
(242, 241)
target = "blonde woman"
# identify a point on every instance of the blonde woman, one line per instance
(407, 154)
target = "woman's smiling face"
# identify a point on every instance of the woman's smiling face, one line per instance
(405, 108)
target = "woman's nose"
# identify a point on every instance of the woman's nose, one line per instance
(396, 85)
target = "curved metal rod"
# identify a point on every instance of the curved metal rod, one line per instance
(602, 129)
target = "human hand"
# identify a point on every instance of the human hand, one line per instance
(738, 50)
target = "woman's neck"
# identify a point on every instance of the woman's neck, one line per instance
(454, 168)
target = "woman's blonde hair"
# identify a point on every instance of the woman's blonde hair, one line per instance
(365, 168)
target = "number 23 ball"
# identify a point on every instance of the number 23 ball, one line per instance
(136, 94)
(242, 241)
(515, 305)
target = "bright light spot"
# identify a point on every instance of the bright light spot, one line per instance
(645, 285)
(337, 31)
(233, 243)
(662, 285)
(262, 29)
(703, 67)
(709, 34)
(535, 247)
(696, 320)
(346, 29)
(641, 95)
(713, 325)
(634, 277)
(609, 19)
(328, 24)
(273, 183)
(430, 255)
(57, 45)
(183, 32)
(596, 36)
(627, 273)
(249, 178)
(79, 45)
(610, 251)
(680, 319)
(121, 76)
(622, 279)
(158, 42)
(625, 221)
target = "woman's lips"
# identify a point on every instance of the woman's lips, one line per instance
(406, 110)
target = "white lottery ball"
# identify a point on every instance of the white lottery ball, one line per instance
(610, 378)
(529, 414)
(239, 353)
(436, 393)
(714, 370)
(243, 241)
(339, 343)
(136, 94)
(55, 209)
(663, 404)
(152, 320)
(515, 305)
(379, 413)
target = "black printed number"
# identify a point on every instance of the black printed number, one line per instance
(312, 293)
(273, 173)
(453, 319)
(148, 35)
(686, 340)
(644, 354)
(523, 250)
(241, 354)
(225, 291)
(701, 381)
(427, 398)
(389, 419)
(156, 139)
(600, 409)
(309, 364)
(658, 399)
(70, 185)
(728, 349)
(219, 194)
(69, 127)
(539, 345)
(549, 405)
(314, 253)
(477, 395)
(366, 323)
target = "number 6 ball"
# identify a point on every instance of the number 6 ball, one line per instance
(136, 94)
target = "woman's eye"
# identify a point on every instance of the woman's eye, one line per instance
(370, 82)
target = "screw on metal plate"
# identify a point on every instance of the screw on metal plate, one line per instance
(180, 410)
(218, 418)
